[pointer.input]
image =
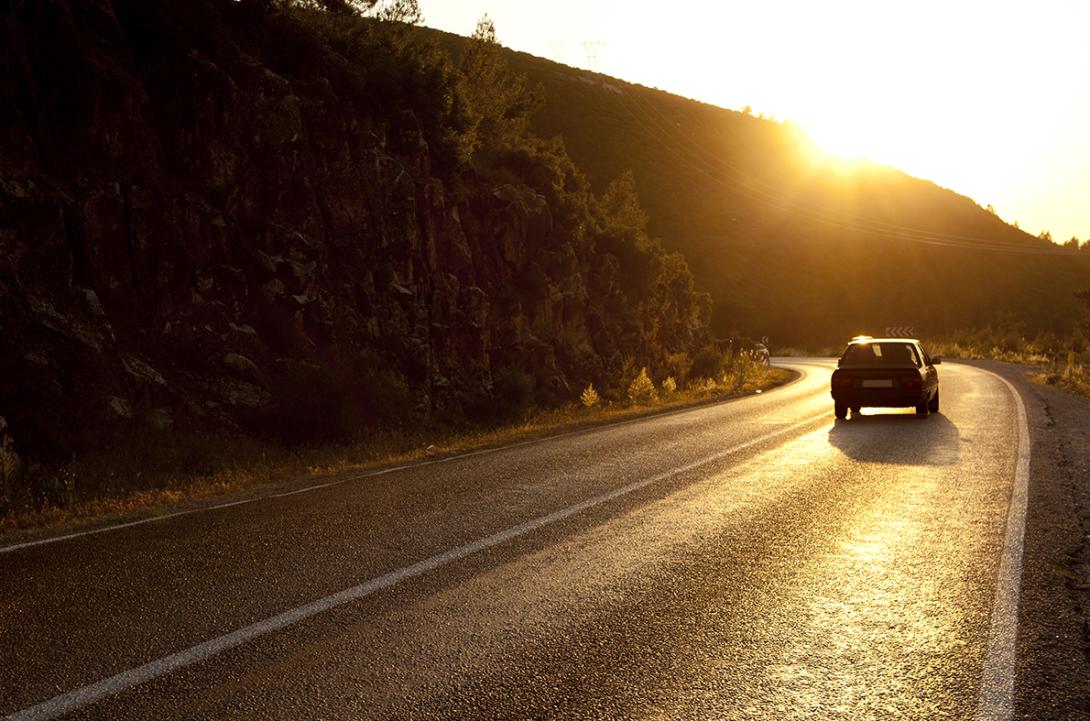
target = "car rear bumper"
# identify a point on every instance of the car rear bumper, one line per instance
(881, 397)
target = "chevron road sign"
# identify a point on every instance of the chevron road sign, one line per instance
(900, 331)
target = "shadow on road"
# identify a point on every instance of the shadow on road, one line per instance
(903, 439)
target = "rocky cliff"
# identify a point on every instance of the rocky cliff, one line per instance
(197, 234)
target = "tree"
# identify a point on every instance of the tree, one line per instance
(1045, 235)
(399, 11)
(1072, 243)
(340, 7)
(498, 98)
(621, 203)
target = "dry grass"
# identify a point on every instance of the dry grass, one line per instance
(1023, 354)
(162, 474)
(1069, 375)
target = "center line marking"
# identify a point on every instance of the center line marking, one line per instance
(81, 697)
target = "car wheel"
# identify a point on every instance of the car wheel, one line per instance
(921, 409)
(841, 410)
(933, 406)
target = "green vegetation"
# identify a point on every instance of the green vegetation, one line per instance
(1058, 360)
(405, 240)
(342, 236)
(1071, 375)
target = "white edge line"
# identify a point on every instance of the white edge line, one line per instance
(371, 474)
(996, 700)
(86, 695)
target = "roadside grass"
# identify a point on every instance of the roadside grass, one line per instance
(1071, 376)
(1052, 361)
(163, 473)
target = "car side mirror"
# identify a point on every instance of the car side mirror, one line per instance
(936, 361)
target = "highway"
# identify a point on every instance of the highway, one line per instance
(753, 559)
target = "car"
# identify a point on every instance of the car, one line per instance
(759, 354)
(885, 373)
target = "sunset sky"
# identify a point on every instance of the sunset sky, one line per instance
(991, 99)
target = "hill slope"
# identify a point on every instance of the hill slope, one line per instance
(795, 249)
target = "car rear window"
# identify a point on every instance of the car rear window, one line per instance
(886, 354)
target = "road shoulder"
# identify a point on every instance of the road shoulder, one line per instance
(80, 523)
(1054, 617)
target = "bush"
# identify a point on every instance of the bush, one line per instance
(309, 405)
(708, 363)
(589, 397)
(642, 390)
(669, 386)
(514, 392)
(677, 365)
(383, 394)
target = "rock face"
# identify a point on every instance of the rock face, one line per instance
(199, 242)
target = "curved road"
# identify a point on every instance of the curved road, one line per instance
(745, 560)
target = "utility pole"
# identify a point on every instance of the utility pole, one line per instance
(591, 47)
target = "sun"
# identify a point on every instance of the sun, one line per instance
(843, 140)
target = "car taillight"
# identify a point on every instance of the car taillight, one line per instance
(842, 382)
(911, 383)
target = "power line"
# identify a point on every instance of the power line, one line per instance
(737, 181)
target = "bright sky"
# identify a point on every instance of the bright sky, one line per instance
(988, 97)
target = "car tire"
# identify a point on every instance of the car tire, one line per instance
(933, 406)
(841, 410)
(921, 409)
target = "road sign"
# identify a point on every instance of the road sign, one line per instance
(900, 331)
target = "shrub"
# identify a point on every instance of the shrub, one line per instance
(669, 386)
(513, 391)
(677, 365)
(383, 394)
(642, 390)
(708, 363)
(589, 397)
(310, 405)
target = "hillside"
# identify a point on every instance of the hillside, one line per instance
(792, 248)
(263, 218)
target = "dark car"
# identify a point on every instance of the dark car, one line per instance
(885, 373)
(759, 354)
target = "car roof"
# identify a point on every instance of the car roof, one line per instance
(862, 340)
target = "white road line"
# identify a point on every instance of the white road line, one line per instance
(368, 474)
(80, 697)
(996, 700)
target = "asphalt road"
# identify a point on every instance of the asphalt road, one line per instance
(745, 560)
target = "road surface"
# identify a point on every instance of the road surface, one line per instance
(745, 560)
